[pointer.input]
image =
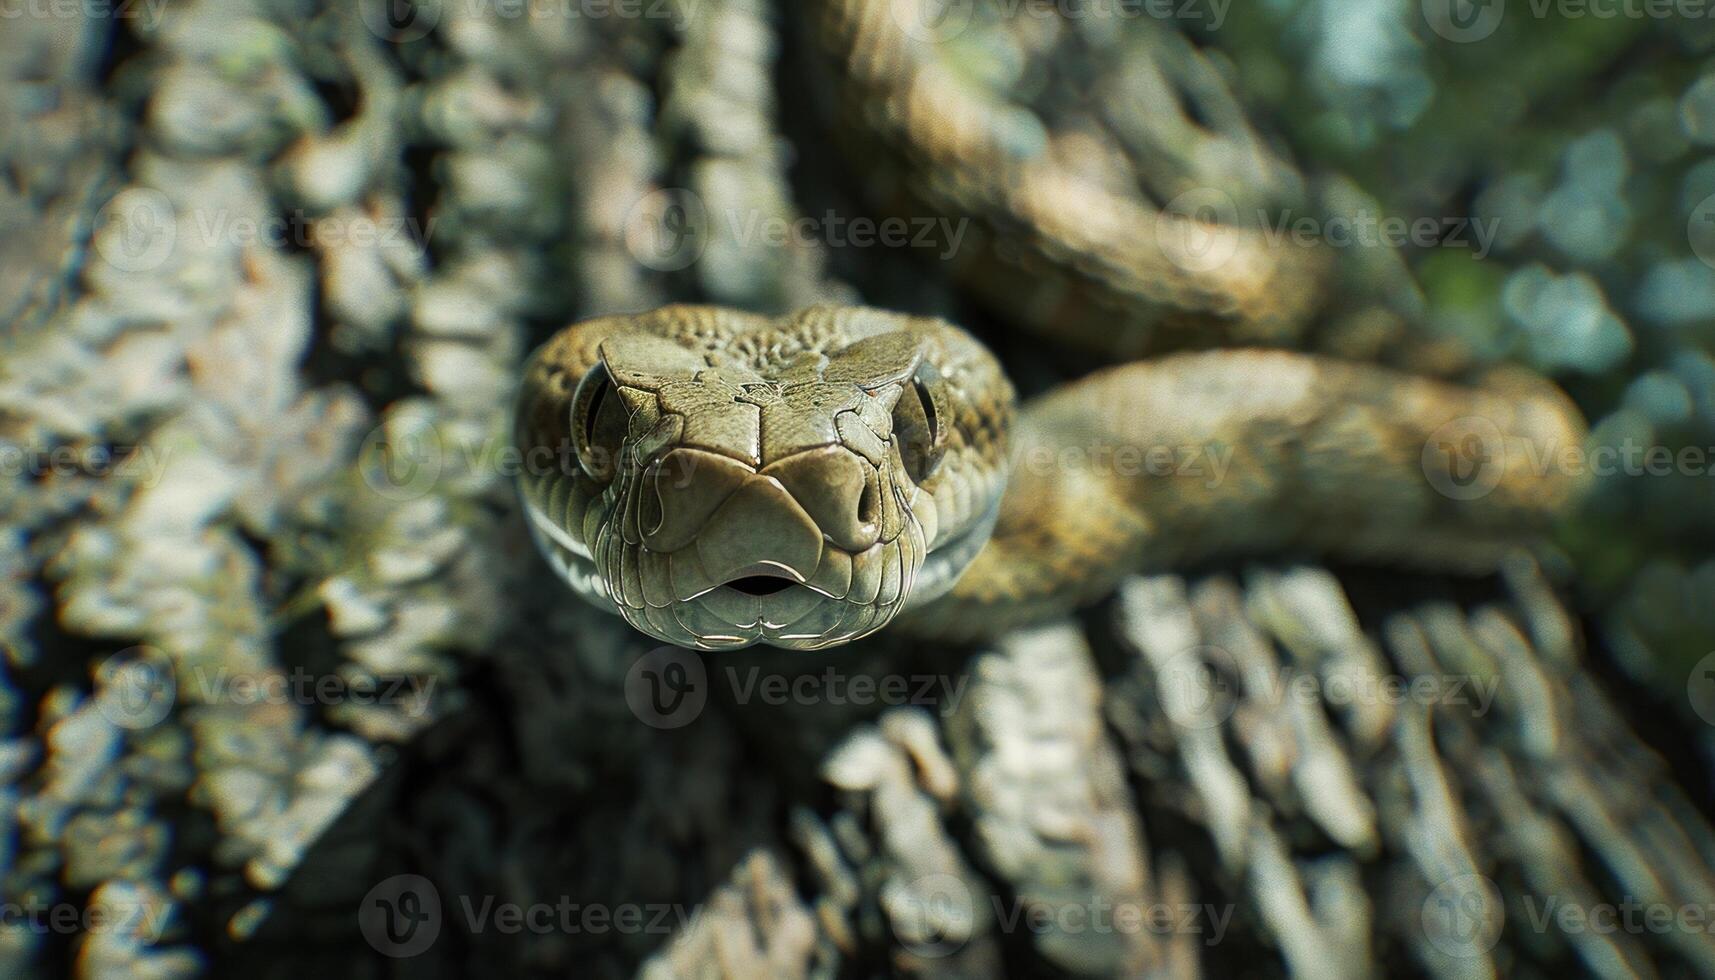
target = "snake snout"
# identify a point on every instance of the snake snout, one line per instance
(838, 490)
(759, 530)
(681, 491)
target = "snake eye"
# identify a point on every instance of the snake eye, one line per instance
(598, 424)
(919, 423)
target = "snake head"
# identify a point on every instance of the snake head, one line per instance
(721, 503)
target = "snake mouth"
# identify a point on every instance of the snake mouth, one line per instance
(761, 585)
(738, 556)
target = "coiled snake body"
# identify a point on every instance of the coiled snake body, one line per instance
(803, 481)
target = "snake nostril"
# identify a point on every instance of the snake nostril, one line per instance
(838, 489)
(869, 503)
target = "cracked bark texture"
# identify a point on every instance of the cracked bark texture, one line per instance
(1197, 748)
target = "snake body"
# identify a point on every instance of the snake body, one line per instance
(725, 478)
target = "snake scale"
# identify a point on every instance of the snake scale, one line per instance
(730, 478)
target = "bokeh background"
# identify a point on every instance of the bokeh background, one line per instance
(285, 687)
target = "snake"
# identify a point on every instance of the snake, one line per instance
(722, 477)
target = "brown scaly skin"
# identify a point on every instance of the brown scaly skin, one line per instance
(1088, 257)
(1156, 465)
(732, 447)
(1148, 465)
